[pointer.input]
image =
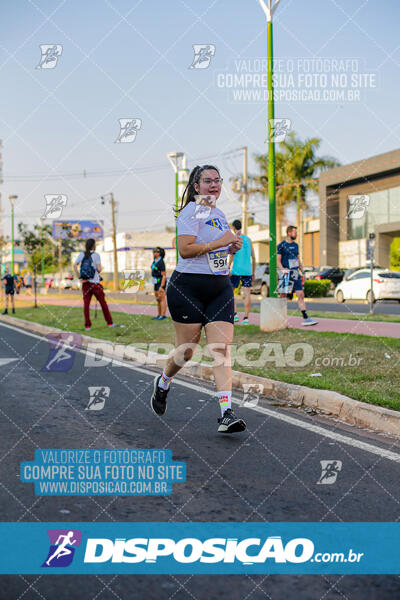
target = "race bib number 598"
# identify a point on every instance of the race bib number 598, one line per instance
(218, 260)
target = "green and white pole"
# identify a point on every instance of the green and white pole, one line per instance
(12, 200)
(178, 163)
(176, 211)
(273, 275)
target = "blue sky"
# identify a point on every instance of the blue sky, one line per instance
(130, 59)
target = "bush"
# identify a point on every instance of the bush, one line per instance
(315, 288)
(395, 254)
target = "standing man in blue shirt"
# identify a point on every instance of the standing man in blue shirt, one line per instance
(244, 265)
(289, 263)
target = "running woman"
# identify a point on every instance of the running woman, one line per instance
(91, 286)
(159, 277)
(199, 292)
(244, 266)
(289, 263)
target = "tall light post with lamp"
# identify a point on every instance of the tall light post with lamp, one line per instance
(269, 7)
(178, 163)
(12, 200)
(42, 250)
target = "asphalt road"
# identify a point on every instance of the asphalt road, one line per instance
(268, 473)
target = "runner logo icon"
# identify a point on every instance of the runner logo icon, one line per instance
(330, 470)
(98, 396)
(50, 53)
(62, 351)
(128, 130)
(63, 543)
(202, 56)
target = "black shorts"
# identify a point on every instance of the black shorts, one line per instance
(198, 298)
(158, 286)
(10, 292)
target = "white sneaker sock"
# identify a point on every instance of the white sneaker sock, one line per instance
(225, 400)
(164, 381)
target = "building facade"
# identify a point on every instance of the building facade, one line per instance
(356, 200)
(135, 251)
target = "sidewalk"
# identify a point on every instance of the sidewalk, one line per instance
(375, 328)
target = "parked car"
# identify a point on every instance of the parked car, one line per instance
(76, 284)
(311, 272)
(64, 284)
(261, 280)
(334, 274)
(357, 286)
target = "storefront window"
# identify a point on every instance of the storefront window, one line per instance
(384, 207)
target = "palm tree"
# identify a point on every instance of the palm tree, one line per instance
(302, 168)
(297, 168)
(261, 183)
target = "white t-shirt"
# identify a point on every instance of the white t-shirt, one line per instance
(207, 226)
(96, 261)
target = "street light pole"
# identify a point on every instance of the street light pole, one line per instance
(245, 194)
(178, 163)
(269, 11)
(12, 199)
(42, 251)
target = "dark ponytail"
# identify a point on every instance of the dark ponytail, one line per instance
(89, 246)
(190, 193)
(161, 251)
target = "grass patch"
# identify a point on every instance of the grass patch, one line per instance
(363, 367)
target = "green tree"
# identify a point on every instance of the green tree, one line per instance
(302, 168)
(297, 167)
(31, 241)
(3, 243)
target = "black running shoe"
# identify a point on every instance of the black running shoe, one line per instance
(159, 398)
(229, 423)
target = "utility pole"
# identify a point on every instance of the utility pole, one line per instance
(114, 238)
(245, 193)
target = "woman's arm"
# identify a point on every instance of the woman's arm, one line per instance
(188, 249)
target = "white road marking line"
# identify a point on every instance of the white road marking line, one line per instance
(338, 437)
(5, 361)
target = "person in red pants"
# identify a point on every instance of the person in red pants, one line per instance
(90, 269)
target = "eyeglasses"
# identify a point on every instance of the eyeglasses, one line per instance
(217, 180)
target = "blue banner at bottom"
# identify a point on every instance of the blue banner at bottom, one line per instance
(199, 548)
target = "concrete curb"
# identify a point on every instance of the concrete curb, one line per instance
(327, 402)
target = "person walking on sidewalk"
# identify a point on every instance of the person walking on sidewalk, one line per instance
(289, 264)
(28, 284)
(159, 278)
(90, 269)
(242, 271)
(9, 284)
(200, 293)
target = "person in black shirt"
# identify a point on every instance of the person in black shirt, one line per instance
(9, 284)
(290, 266)
(159, 278)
